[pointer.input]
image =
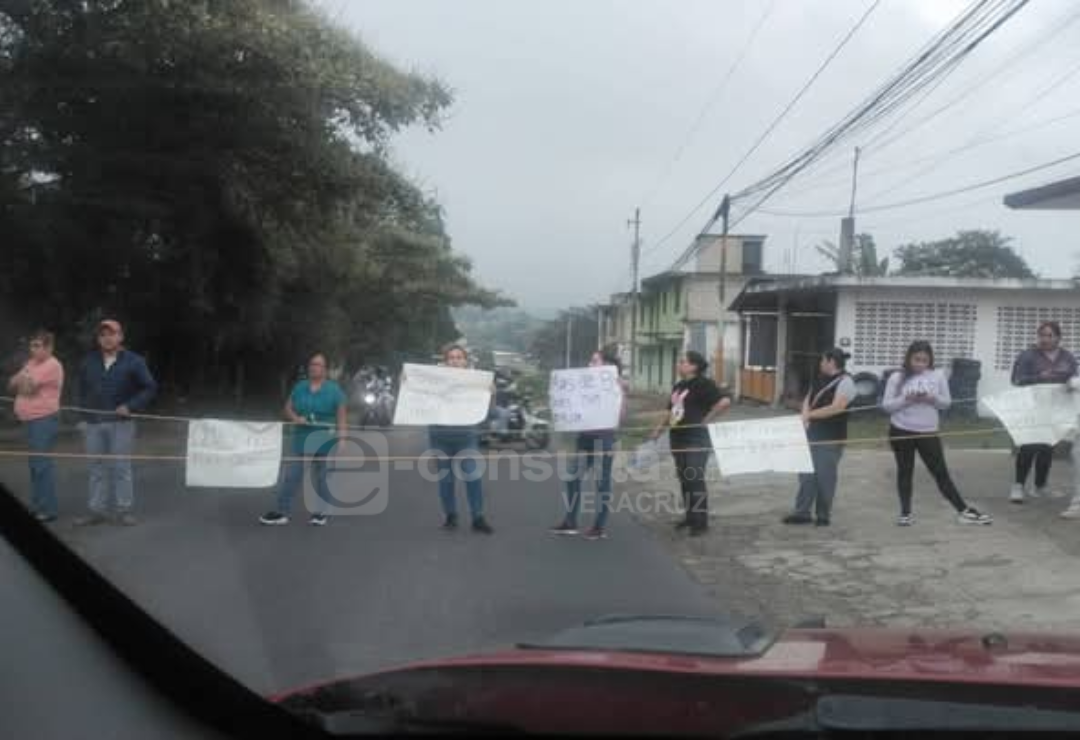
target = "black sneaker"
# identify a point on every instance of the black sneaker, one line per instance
(682, 524)
(450, 523)
(319, 520)
(481, 526)
(797, 519)
(273, 519)
(45, 518)
(596, 533)
(698, 531)
(821, 522)
(565, 530)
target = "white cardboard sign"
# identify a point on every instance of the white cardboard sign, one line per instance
(775, 445)
(1036, 414)
(233, 454)
(585, 399)
(435, 394)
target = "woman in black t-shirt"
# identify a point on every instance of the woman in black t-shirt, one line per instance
(695, 399)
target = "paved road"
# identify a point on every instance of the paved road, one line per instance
(285, 606)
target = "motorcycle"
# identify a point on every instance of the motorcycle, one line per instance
(373, 396)
(524, 423)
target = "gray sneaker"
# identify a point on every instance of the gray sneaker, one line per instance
(90, 520)
(127, 520)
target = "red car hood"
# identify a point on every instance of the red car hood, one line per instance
(552, 687)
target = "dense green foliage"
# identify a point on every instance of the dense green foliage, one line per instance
(215, 173)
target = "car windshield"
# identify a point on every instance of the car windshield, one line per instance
(343, 334)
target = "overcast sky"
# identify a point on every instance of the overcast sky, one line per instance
(569, 113)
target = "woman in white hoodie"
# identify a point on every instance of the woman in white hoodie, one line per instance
(914, 398)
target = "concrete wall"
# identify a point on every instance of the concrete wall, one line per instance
(991, 326)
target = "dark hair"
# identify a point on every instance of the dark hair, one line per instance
(318, 353)
(610, 358)
(837, 356)
(916, 347)
(45, 337)
(698, 361)
(451, 347)
(1053, 326)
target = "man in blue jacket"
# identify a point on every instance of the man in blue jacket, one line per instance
(112, 383)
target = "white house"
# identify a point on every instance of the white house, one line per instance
(787, 323)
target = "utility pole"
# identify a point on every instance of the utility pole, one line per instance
(569, 334)
(635, 257)
(723, 212)
(847, 225)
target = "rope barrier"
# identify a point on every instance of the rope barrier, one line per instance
(411, 429)
(434, 454)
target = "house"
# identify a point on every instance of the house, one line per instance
(679, 310)
(615, 320)
(786, 324)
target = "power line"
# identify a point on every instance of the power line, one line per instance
(1008, 66)
(707, 108)
(940, 156)
(920, 199)
(940, 58)
(957, 35)
(772, 127)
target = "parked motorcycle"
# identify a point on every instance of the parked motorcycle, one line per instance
(525, 424)
(373, 396)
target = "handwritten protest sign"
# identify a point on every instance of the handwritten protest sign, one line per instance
(585, 398)
(442, 395)
(233, 454)
(1036, 414)
(760, 446)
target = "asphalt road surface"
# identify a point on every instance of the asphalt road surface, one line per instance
(281, 607)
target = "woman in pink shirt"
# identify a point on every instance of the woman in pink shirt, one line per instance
(37, 404)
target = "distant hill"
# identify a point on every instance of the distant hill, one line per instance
(504, 329)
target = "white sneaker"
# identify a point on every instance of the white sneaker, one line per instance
(1073, 512)
(1016, 495)
(974, 516)
(905, 520)
(1041, 492)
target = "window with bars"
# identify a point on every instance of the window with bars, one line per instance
(884, 329)
(1016, 327)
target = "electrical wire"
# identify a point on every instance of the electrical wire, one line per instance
(776, 122)
(919, 199)
(711, 101)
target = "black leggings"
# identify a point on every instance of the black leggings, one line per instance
(690, 469)
(933, 456)
(1042, 456)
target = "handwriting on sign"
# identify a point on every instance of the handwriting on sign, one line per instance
(442, 395)
(233, 454)
(585, 399)
(762, 445)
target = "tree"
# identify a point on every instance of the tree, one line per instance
(548, 344)
(216, 173)
(864, 261)
(974, 254)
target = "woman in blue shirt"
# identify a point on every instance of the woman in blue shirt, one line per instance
(315, 406)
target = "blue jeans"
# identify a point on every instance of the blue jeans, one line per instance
(111, 475)
(292, 479)
(461, 447)
(40, 437)
(600, 445)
